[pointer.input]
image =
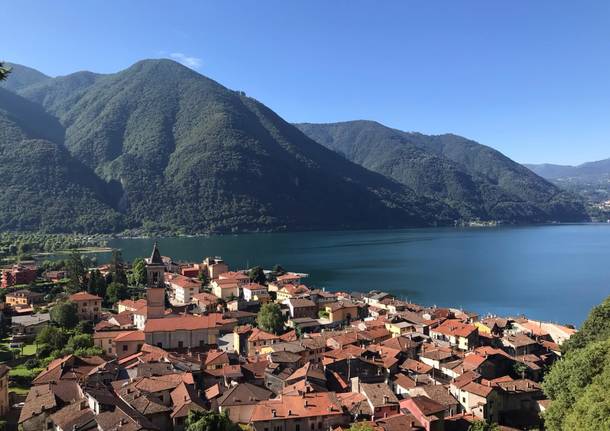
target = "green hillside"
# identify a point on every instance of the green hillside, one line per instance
(475, 180)
(43, 186)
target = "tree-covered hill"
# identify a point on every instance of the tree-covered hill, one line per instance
(475, 180)
(43, 186)
(193, 156)
(22, 77)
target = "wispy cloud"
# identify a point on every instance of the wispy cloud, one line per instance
(187, 60)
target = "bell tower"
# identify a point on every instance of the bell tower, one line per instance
(155, 285)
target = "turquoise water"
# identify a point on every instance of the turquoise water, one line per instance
(547, 272)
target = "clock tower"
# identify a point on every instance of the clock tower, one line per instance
(155, 285)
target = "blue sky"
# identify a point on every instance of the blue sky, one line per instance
(530, 78)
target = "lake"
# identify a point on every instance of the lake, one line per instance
(555, 272)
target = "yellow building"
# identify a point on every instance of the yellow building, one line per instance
(88, 306)
(342, 311)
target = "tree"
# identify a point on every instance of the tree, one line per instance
(270, 318)
(570, 379)
(85, 327)
(4, 71)
(361, 426)
(52, 337)
(520, 369)
(483, 426)
(76, 272)
(96, 283)
(117, 268)
(64, 314)
(279, 270)
(80, 341)
(257, 275)
(595, 328)
(138, 272)
(209, 421)
(116, 292)
(204, 278)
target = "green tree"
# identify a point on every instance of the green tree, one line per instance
(52, 337)
(483, 426)
(270, 318)
(361, 426)
(209, 421)
(117, 268)
(257, 275)
(85, 327)
(595, 328)
(64, 314)
(80, 341)
(76, 272)
(138, 272)
(279, 270)
(4, 71)
(116, 292)
(519, 368)
(204, 278)
(96, 283)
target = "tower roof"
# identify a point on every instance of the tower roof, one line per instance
(155, 257)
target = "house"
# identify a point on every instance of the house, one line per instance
(381, 399)
(104, 340)
(16, 275)
(128, 343)
(310, 411)
(255, 292)
(440, 394)
(213, 267)
(88, 306)
(205, 302)
(130, 305)
(240, 401)
(30, 324)
(239, 277)
(186, 331)
(480, 400)
(260, 339)
(429, 413)
(74, 417)
(4, 399)
(289, 290)
(342, 311)
(462, 335)
(183, 288)
(301, 307)
(519, 344)
(399, 328)
(225, 289)
(23, 298)
(44, 400)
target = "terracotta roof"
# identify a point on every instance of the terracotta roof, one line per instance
(478, 389)
(73, 416)
(233, 275)
(521, 385)
(187, 322)
(399, 422)
(259, 335)
(131, 336)
(416, 366)
(244, 393)
(518, 340)
(254, 286)
(83, 296)
(427, 406)
(404, 381)
(455, 328)
(440, 394)
(216, 357)
(378, 394)
(130, 303)
(318, 404)
(184, 282)
(69, 367)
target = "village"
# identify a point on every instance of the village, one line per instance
(265, 349)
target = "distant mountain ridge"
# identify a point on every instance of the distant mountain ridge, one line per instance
(590, 171)
(475, 180)
(158, 147)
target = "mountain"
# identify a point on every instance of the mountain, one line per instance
(590, 180)
(178, 152)
(587, 172)
(22, 77)
(474, 180)
(43, 186)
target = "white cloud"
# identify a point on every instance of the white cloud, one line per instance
(187, 60)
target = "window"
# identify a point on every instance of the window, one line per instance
(124, 347)
(180, 344)
(160, 344)
(297, 427)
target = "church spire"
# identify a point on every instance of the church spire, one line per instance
(155, 257)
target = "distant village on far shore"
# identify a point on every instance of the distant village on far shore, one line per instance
(153, 344)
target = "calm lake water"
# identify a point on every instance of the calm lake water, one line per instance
(555, 272)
